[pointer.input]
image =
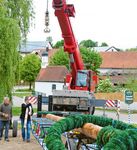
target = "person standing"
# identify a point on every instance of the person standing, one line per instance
(26, 113)
(5, 117)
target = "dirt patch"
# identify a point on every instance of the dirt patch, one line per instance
(17, 143)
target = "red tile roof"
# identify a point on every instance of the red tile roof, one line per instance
(52, 52)
(39, 51)
(52, 74)
(119, 60)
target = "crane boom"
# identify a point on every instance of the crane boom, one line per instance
(63, 11)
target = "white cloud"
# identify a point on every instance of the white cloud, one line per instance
(110, 21)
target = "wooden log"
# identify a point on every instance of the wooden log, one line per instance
(53, 117)
(88, 129)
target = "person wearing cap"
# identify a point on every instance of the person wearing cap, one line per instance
(5, 117)
(26, 113)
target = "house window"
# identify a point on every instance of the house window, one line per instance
(53, 86)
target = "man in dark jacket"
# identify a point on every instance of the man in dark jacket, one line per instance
(26, 113)
(5, 117)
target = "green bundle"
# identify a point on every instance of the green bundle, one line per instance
(114, 134)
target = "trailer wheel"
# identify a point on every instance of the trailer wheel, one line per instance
(15, 128)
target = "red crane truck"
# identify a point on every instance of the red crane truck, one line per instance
(77, 95)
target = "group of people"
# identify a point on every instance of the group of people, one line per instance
(6, 117)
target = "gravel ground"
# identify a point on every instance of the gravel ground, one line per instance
(16, 143)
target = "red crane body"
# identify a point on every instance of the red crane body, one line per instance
(79, 79)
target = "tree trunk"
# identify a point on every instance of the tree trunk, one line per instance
(30, 86)
(88, 129)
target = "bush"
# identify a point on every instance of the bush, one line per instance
(106, 86)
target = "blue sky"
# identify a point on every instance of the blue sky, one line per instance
(110, 21)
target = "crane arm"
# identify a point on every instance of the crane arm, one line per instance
(63, 11)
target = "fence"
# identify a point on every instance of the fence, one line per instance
(113, 96)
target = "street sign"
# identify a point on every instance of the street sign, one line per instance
(129, 97)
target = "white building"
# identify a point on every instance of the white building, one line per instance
(105, 49)
(50, 78)
(44, 59)
(120, 66)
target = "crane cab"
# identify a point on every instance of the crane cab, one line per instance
(86, 80)
(82, 80)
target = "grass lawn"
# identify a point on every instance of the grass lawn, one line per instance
(21, 94)
(135, 125)
(17, 110)
(24, 90)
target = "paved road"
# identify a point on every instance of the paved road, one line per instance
(122, 117)
(16, 143)
(17, 101)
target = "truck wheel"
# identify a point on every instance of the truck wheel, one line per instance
(10, 124)
(15, 128)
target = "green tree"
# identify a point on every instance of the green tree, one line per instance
(92, 59)
(22, 11)
(8, 54)
(105, 86)
(131, 49)
(14, 24)
(59, 44)
(60, 58)
(88, 43)
(131, 84)
(29, 68)
(104, 44)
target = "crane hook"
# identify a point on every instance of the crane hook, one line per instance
(47, 30)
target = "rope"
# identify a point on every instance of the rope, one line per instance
(47, 4)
